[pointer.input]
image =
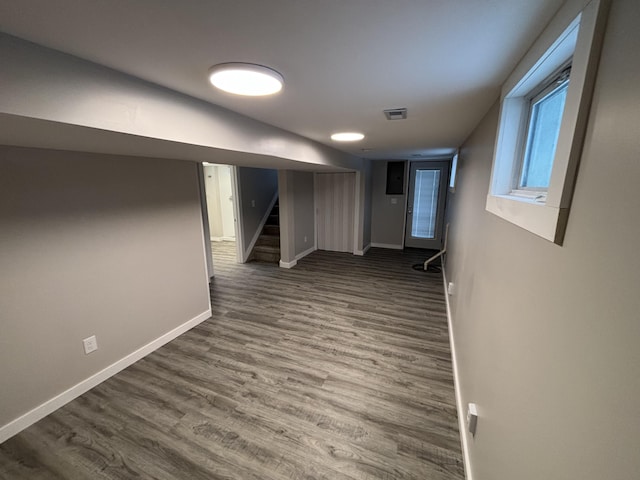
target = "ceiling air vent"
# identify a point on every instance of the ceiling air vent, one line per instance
(395, 113)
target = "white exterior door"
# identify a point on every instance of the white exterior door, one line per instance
(425, 209)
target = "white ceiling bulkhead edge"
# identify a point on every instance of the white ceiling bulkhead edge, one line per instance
(74, 104)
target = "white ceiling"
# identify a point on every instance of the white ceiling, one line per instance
(344, 61)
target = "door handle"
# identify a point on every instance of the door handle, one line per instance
(410, 211)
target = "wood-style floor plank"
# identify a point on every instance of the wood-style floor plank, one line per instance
(337, 369)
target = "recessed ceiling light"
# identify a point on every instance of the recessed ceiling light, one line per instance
(245, 79)
(347, 137)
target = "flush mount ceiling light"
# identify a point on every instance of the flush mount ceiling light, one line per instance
(347, 137)
(245, 79)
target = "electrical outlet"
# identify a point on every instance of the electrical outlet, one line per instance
(451, 288)
(305, 239)
(253, 203)
(394, 201)
(472, 418)
(90, 344)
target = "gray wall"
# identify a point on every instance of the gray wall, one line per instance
(547, 336)
(257, 185)
(303, 211)
(91, 245)
(297, 216)
(387, 219)
(367, 173)
(363, 207)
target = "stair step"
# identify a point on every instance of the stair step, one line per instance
(268, 257)
(271, 230)
(271, 240)
(273, 220)
(267, 249)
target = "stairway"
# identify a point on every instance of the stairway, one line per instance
(267, 247)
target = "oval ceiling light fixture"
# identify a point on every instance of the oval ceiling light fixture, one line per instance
(246, 79)
(347, 137)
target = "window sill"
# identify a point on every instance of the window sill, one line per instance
(537, 196)
(539, 218)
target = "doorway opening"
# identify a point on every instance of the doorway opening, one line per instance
(219, 184)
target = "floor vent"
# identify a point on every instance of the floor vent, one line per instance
(395, 113)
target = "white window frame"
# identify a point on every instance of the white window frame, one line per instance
(538, 94)
(453, 175)
(576, 31)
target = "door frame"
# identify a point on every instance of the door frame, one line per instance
(237, 213)
(447, 170)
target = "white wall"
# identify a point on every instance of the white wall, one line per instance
(547, 336)
(91, 245)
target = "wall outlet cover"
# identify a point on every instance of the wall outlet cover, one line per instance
(90, 344)
(472, 418)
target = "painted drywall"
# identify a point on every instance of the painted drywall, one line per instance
(387, 217)
(367, 198)
(43, 88)
(257, 187)
(287, 227)
(297, 216)
(363, 209)
(91, 245)
(205, 219)
(303, 212)
(547, 336)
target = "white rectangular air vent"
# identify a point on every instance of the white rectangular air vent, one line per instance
(395, 113)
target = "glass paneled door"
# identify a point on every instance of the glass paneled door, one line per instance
(425, 210)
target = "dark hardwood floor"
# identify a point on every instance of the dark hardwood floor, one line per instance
(337, 369)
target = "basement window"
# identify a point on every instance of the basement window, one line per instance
(544, 107)
(545, 115)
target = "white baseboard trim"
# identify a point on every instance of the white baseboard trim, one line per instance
(223, 239)
(288, 264)
(305, 253)
(257, 233)
(462, 414)
(387, 245)
(16, 426)
(294, 262)
(363, 251)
